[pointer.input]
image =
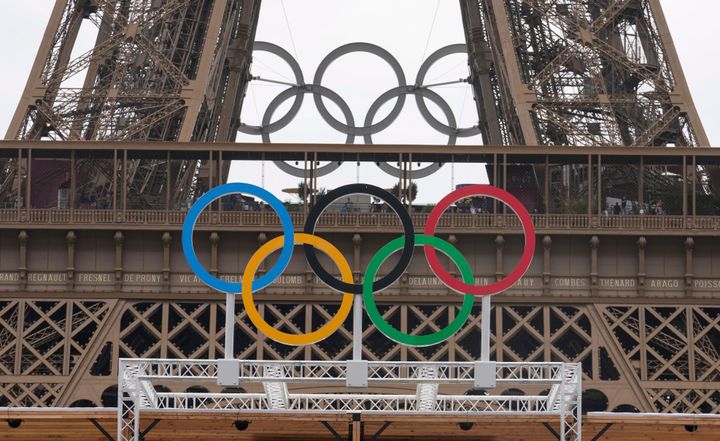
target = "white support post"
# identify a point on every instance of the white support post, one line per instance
(356, 375)
(485, 370)
(563, 404)
(229, 326)
(228, 369)
(128, 427)
(357, 327)
(571, 403)
(485, 335)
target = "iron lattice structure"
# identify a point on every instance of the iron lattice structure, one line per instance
(544, 72)
(572, 72)
(160, 70)
(651, 358)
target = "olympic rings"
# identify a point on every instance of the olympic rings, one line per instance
(385, 327)
(419, 90)
(269, 127)
(525, 259)
(283, 337)
(395, 205)
(207, 199)
(372, 49)
(369, 286)
(451, 129)
(284, 121)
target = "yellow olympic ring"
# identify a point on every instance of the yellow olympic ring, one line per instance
(296, 339)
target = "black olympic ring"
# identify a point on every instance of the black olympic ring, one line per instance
(395, 205)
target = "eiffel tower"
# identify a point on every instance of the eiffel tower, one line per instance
(550, 76)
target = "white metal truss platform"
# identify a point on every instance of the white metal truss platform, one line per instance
(138, 377)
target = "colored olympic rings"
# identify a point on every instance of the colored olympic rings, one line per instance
(208, 198)
(369, 286)
(395, 205)
(528, 230)
(280, 336)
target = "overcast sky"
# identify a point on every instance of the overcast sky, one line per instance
(410, 30)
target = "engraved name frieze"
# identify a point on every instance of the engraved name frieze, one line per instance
(618, 283)
(9, 277)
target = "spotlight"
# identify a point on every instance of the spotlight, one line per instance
(297, 163)
(241, 425)
(465, 426)
(14, 424)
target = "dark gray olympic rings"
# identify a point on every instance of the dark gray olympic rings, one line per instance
(385, 56)
(318, 91)
(419, 90)
(451, 129)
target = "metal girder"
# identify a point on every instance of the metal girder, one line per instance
(595, 66)
(155, 74)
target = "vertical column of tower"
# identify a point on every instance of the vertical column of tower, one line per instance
(583, 73)
(160, 70)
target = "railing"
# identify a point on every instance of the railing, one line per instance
(354, 221)
(338, 403)
(334, 371)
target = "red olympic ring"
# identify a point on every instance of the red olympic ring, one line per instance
(525, 259)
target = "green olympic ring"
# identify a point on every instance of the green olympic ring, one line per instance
(385, 327)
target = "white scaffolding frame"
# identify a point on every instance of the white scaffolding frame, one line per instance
(136, 391)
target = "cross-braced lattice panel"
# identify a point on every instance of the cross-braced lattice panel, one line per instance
(546, 333)
(55, 335)
(705, 326)
(466, 343)
(169, 330)
(44, 339)
(188, 331)
(655, 340)
(673, 400)
(247, 339)
(673, 344)
(141, 331)
(8, 336)
(29, 394)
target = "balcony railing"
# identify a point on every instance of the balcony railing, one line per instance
(255, 220)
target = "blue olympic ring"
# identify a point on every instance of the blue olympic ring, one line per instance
(208, 198)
